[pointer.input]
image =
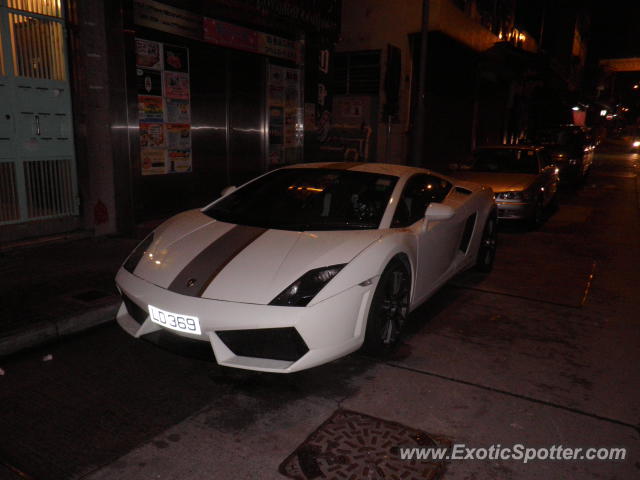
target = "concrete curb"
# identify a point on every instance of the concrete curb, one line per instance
(47, 332)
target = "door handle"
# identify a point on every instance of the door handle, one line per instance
(37, 118)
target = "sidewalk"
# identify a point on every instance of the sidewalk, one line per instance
(48, 291)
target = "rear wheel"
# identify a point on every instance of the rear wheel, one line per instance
(487, 250)
(389, 309)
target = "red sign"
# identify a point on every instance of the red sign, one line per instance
(229, 35)
(241, 38)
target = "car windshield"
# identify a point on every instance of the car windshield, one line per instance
(564, 136)
(308, 199)
(505, 160)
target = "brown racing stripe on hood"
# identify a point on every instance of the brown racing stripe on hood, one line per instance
(194, 279)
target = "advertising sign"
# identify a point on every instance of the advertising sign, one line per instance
(153, 161)
(234, 36)
(150, 109)
(148, 54)
(164, 110)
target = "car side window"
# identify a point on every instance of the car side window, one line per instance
(419, 192)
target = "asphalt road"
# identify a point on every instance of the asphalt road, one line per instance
(544, 351)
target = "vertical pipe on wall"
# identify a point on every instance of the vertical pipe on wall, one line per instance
(227, 107)
(419, 113)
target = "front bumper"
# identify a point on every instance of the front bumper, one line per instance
(328, 330)
(514, 210)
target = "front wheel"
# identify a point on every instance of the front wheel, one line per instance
(537, 216)
(389, 309)
(487, 249)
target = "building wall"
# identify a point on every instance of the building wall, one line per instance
(228, 121)
(373, 24)
(445, 17)
(92, 117)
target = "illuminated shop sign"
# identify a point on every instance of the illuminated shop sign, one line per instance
(156, 15)
(241, 38)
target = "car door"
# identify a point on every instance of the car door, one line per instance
(437, 241)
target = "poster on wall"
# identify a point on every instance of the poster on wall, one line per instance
(179, 160)
(149, 82)
(176, 59)
(178, 111)
(150, 109)
(164, 109)
(151, 135)
(153, 161)
(292, 108)
(285, 114)
(275, 154)
(148, 54)
(178, 136)
(176, 85)
(275, 95)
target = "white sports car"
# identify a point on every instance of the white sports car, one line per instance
(307, 263)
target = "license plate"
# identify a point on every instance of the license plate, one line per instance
(174, 321)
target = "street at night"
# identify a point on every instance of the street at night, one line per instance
(542, 352)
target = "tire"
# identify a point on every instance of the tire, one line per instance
(537, 217)
(488, 242)
(389, 309)
(553, 203)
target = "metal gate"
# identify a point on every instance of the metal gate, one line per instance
(37, 161)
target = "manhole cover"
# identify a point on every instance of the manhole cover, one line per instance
(353, 446)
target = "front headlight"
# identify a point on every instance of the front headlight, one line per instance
(519, 195)
(302, 291)
(636, 144)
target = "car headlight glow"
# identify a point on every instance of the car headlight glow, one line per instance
(302, 291)
(636, 143)
(511, 196)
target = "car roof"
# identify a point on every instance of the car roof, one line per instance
(380, 168)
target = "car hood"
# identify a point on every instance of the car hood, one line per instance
(499, 182)
(239, 263)
(566, 151)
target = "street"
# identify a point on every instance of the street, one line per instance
(543, 351)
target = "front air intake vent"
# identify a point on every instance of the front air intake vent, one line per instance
(272, 343)
(136, 312)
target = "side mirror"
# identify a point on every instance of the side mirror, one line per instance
(227, 190)
(439, 211)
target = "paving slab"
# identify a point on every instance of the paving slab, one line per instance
(480, 418)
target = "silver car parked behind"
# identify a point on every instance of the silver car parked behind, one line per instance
(523, 177)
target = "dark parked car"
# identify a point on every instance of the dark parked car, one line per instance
(571, 148)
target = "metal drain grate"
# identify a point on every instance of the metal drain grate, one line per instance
(350, 445)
